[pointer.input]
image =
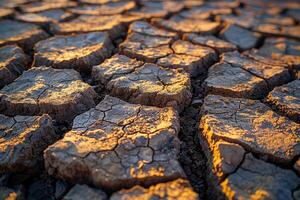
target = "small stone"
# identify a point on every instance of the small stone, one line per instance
(13, 61)
(197, 102)
(109, 146)
(242, 38)
(23, 34)
(178, 189)
(286, 98)
(79, 192)
(80, 52)
(58, 92)
(22, 142)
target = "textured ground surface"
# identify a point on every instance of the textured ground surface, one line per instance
(149, 99)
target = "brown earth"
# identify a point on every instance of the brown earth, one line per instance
(149, 99)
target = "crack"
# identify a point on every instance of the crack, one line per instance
(253, 74)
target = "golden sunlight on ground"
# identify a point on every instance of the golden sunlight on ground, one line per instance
(149, 99)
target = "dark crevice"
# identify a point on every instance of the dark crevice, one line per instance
(192, 157)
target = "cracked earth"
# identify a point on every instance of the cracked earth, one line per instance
(149, 99)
